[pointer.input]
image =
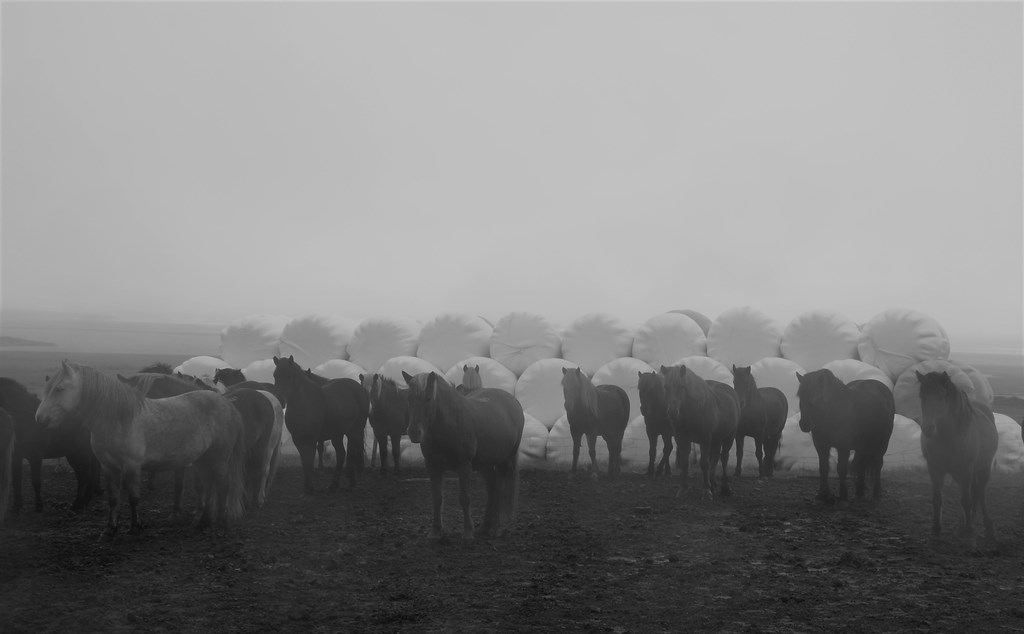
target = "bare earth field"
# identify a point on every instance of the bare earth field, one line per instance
(623, 556)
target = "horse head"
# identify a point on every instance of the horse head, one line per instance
(744, 383)
(652, 391)
(471, 377)
(61, 396)
(228, 376)
(422, 397)
(286, 372)
(675, 389)
(573, 391)
(941, 401)
(816, 390)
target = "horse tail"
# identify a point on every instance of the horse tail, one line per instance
(236, 472)
(6, 461)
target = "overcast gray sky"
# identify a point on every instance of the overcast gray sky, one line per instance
(192, 160)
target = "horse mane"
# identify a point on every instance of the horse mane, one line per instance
(959, 402)
(103, 397)
(159, 367)
(143, 381)
(586, 393)
(698, 391)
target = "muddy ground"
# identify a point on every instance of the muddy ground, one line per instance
(625, 556)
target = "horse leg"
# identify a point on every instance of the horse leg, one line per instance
(16, 459)
(683, 457)
(205, 488)
(133, 477)
(666, 464)
(320, 455)
(339, 465)
(83, 490)
(179, 488)
(823, 451)
(841, 469)
(374, 452)
(938, 479)
(437, 493)
(306, 451)
(614, 457)
(725, 490)
(396, 450)
(381, 441)
(739, 455)
(759, 454)
(652, 437)
(576, 441)
(592, 449)
(876, 471)
(978, 496)
(36, 466)
(113, 477)
(465, 471)
(490, 523)
(705, 469)
(966, 483)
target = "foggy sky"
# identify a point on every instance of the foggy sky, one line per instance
(209, 161)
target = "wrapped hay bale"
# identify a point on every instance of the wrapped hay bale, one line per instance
(251, 339)
(202, 367)
(492, 374)
(742, 336)
(449, 337)
(411, 454)
(315, 339)
(559, 449)
(393, 368)
(623, 372)
(816, 337)
(262, 371)
(707, 369)
(702, 320)
(534, 443)
(595, 339)
(896, 339)
(1010, 454)
(781, 374)
(664, 338)
(983, 392)
(796, 451)
(847, 370)
(539, 390)
(907, 392)
(339, 369)
(376, 340)
(520, 339)
(904, 451)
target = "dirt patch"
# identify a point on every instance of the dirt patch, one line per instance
(626, 556)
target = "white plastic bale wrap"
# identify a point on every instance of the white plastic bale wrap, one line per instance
(907, 393)
(203, 367)
(393, 368)
(539, 390)
(412, 455)
(376, 340)
(449, 337)
(816, 337)
(1010, 454)
(315, 339)
(847, 370)
(702, 320)
(707, 369)
(521, 339)
(898, 338)
(780, 374)
(904, 449)
(339, 369)
(743, 336)
(983, 391)
(252, 338)
(623, 372)
(667, 337)
(533, 446)
(262, 371)
(595, 339)
(635, 446)
(492, 374)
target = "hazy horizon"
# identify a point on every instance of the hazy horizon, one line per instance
(201, 162)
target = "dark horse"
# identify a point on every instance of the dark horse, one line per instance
(464, 433)
(652, 406)
(595, 411)
(389, 417)
(333, 411)
(958, 437)
(854, 417)
(763, 412)
(705, 412)
(6, 460)
(33, 443)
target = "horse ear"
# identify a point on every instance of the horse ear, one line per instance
(360, 378)
(276, 361)
(664, 370)
(919, 376)
(799, 378)
(122, 379)
(407, 377)
(565, 371)
(431, 381)
(734, 368)
(477, 368)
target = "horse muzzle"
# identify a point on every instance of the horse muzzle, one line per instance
(805, 424)
(49, 418)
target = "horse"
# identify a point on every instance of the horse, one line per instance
(481, 432)
(652, 406)
(763, 412)
(856, 417)
(129, 431)
(321, 445)
(6, 460)
(228, 376)
(34, 443)
(706, 412)
(958, 437)
(595, 411)
(333, 411)
(389, 417)
(470, 379)
(366, 380)
(263, 420)
(158, 367)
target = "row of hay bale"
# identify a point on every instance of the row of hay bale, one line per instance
(524, 353)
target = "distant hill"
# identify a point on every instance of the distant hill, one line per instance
(8, 342)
